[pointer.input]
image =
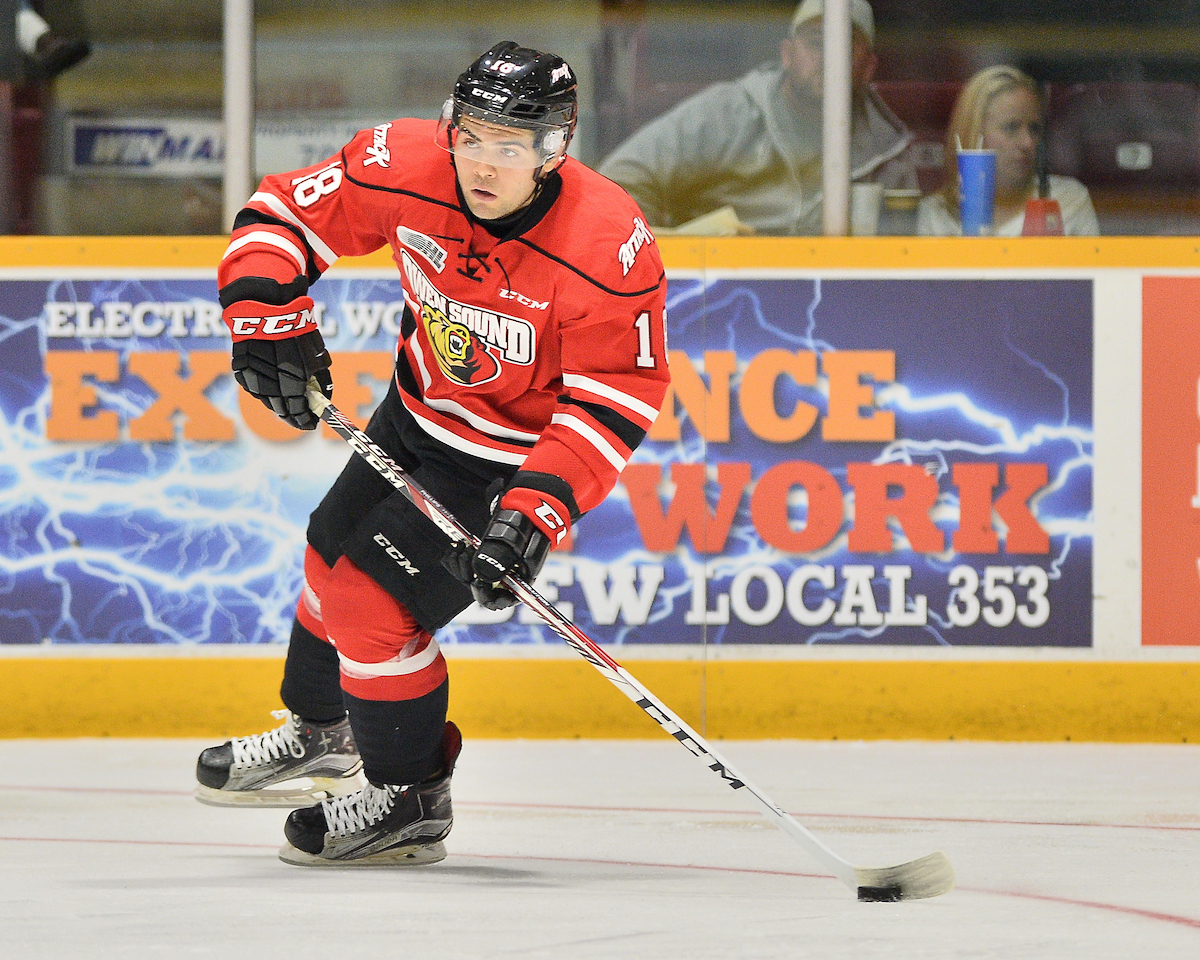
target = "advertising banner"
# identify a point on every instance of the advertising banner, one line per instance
(867, 461)
(187, 147)
(145, 147)
(840, 462)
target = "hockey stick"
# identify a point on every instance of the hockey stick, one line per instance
(927, 877)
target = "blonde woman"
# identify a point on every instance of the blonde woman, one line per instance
(1001, 109)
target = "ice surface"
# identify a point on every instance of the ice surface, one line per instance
(632, 849)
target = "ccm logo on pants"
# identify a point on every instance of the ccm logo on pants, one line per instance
(401, 560)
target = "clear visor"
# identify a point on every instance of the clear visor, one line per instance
(484, 141)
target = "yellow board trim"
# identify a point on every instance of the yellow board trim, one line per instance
(685, 253)
(492, 698)
(218, 697)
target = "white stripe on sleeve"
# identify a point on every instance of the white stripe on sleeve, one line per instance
(592, 436)
(274, 240)
(641, 408)
(278, 207)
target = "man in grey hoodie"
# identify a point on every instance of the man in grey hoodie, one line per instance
(755, 143)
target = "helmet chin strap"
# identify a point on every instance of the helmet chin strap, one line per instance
(540, 177)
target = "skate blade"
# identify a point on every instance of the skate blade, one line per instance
(400, 857)
(296, 795)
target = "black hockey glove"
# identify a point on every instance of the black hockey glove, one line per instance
(511, 544)
(275, 351)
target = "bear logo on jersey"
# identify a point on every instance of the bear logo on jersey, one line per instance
(461, 354)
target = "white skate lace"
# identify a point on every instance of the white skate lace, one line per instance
(347, 815)
(272, 745)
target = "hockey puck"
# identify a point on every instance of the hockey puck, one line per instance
(880, 894)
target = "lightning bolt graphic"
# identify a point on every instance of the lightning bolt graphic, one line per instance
(187, 542)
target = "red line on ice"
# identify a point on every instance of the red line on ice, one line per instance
(1067, 901)
(500, 804)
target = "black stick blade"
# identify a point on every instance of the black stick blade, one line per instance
(929, 876)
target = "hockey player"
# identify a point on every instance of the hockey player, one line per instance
(531, 362)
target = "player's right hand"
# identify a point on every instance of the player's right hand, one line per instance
(275, 352)
(511, 544)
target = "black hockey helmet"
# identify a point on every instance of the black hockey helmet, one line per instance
(514, 86)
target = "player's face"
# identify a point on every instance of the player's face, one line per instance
(1012, 126)
(803, 58)
(496, 167)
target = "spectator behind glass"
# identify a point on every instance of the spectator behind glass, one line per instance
(754, 144)
(1001, 109)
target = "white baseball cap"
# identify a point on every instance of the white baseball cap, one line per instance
(861, 16)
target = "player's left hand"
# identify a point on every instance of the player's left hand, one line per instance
(511, 545)
(277, 373)
(276, 350)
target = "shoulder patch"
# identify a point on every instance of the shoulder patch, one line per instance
(378, 151)
(427, 247)
(628, 251)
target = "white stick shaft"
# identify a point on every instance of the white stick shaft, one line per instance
(673, 724)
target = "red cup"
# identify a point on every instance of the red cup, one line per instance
(1043, 218)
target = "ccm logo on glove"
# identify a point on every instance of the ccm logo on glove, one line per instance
(546, 512)
(551, 521)
(250, 320)
(276, 351)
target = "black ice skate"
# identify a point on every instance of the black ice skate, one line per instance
(293, 765)
(378, 826)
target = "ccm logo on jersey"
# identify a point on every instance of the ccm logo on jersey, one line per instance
(378, 151)
(277, 327)
(524, 300)
(629, 249)
(401, 560)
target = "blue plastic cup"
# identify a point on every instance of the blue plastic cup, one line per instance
(977, 191)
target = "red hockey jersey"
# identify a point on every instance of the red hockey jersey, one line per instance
(545, 349)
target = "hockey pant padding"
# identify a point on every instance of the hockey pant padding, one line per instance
(400, 741)
(308, 607)
(385, 654)
(311, 686)
(365, 518)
